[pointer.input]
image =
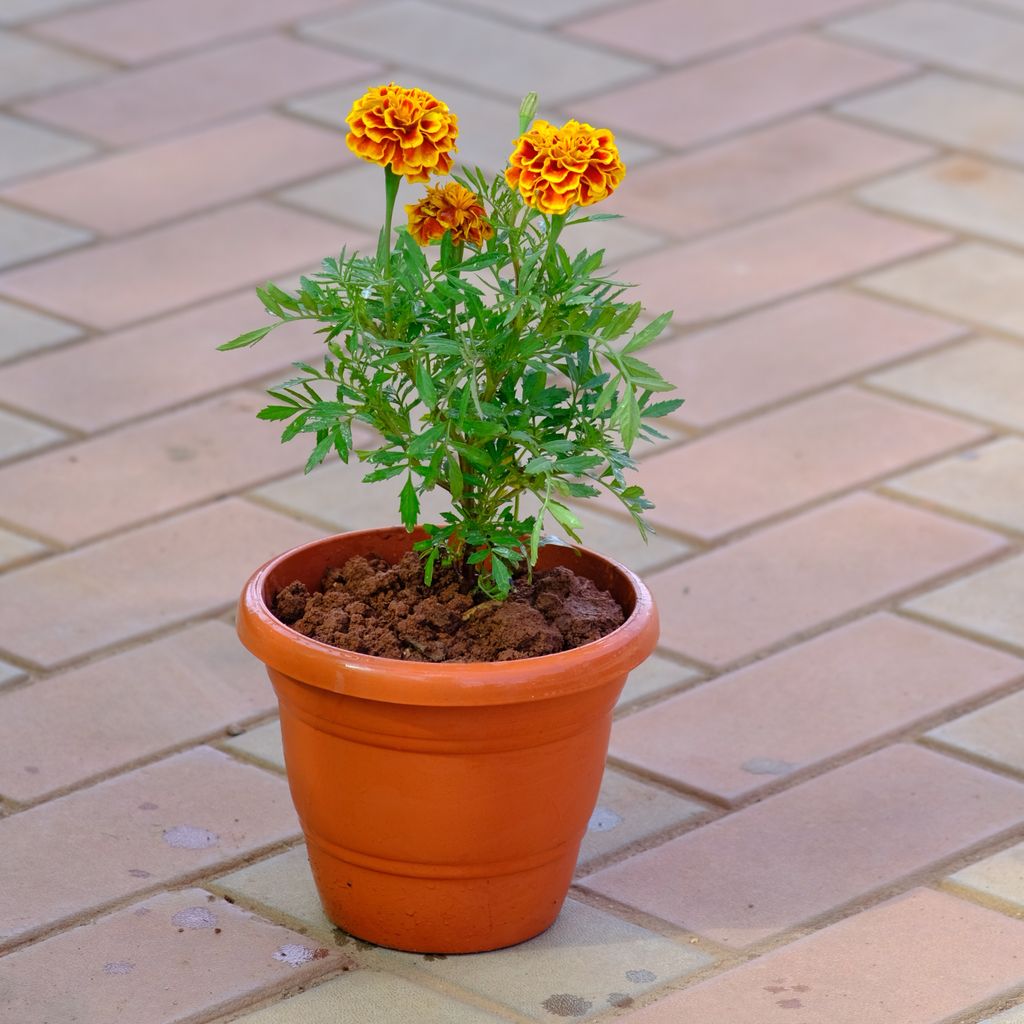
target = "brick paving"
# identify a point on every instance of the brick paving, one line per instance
(814, 810)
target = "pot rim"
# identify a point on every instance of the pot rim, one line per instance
(393, 680)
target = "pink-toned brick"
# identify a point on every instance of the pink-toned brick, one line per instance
(805, 572)
(713, 99)
(142, 31)
(799, 854)
(777, 353)
(757, 172)
(140, 581)
(136, 189)
(177, 956)
(671, 32)
(155, 826)
(865, 681)
(774, 462)
(923, 958)
(110, 713)
(161, 363)
(147, 469)
(113, 284)
(180, 94)
(771, 259)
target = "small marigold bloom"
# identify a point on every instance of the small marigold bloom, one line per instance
(555, 168)
(453, 208)
(407, 130)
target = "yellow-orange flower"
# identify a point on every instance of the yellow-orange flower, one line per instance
(408, 130)
(453, 208)
(556, 168)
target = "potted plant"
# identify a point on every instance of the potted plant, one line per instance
(446, 689)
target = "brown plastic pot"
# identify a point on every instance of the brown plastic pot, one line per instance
(443, 804)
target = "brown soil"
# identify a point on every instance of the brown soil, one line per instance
(372, 607)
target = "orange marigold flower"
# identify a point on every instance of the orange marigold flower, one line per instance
(556, 168)
(453, 208)
(407, 130)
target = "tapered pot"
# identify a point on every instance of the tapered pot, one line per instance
(443, 804)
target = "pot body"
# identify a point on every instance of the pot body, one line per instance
(443, 805)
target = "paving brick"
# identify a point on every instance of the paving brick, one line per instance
(985, 483)
(146, 469)
(137, 704)
(17, 11)
(1000, 877)
(16, 548)
(149, 29)
(981, 378)
(25, 236)
(511, 60)
(381, 999)
(750, 875)
(19, 436)
(262, 743)
(121, 588)
(23, 331)
(986, 603)
(199, 258)
(756, 173)
(10, 673)
(771, 259)
(962, 193)
(806, 571)
(796, 346)
(919, 959)
(992, 732)
(785, 458)
(972, 281)
(200, 809)
(176, 95)
(963, 38)
(672, 33)
(29, 66)
(655, 675)
(26, 148)
(629, 811)
(535, 12)
(158, 364)
(712, 99)
(139, 188)
(140, 964)
(954, 111)
(742, 732)
(1015, 1015)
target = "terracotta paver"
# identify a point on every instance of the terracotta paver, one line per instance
(199, 259)
(138, 472)
(804, 572)
(160, 961)
(771, 259)
(117, 710)
(159, 824)
(787, 349)
(713, 99)
(785, 458)
(57, 611)
(919, 959)
(129, 191)
(797, 855)
(787, 713)
(194, 90)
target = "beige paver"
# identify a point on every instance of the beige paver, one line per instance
(743, 878)
(156, 825)
(985, 483)
(19, 435)
(992, 732)
(1000, 876)
(29, 66)
(1015, 1015)
(27, 236)
(10, 673)
(655, 675)
(26, 147)
(18, 11)
(160, 961)
(261, 743)
(14, 547)
(919, 959)
(117, 710)
(982, 378)
(23, 331)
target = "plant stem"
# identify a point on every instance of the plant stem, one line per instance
(391, 183)
(557, 223)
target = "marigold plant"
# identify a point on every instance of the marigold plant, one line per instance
(491, 361)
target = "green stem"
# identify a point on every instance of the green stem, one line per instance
(557, 223)
(391, 183)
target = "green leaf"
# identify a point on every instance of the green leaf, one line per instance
(319, 453)
(247, 339)
(566, 518)
(662, 408)
(425, 386)
(501, 576)
(277, 412)
(409, 505)
(455, 481)
(647, 334)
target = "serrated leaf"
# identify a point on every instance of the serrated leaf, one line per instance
(645, 336)
(455, 480)
(500, 575)
(662, 408)
(277, 412)
(425, 386)
(247, 339)
(409, 505)
(319, 453)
